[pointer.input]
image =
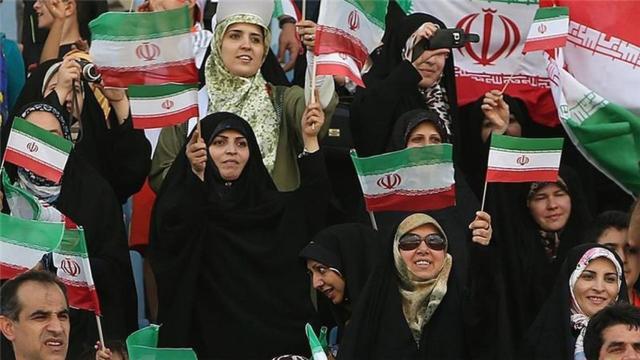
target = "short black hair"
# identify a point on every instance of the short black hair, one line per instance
(618, 220)
(616, 314)
(9, 304)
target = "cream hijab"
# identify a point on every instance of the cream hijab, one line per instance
(420, 298)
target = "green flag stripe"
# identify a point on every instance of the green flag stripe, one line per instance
(406, 5)
(36, 132)
(143, 25)
(374, 10)
(549, 13)
(507, 143)
(379, 164)
(158, 91)
(39, 235)
(73, 243)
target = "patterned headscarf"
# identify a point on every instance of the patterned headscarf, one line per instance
(243, 96)
(41, 187)
(420, 298)
(579, 320)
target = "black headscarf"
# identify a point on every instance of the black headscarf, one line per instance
(409, 121)
(354, 250)
(225, 256)
(551, 336)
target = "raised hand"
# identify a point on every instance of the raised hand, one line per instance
(496, 114)
(481, 230)
(288, 41)
(197, 154)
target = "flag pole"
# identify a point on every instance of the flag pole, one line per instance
(100, 334)
(484, 194)
(373, 220)
(304, 10)
(131, 5)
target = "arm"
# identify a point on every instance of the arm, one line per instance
(169, 146)
(57, 8)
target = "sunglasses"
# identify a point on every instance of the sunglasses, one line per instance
(410, 242)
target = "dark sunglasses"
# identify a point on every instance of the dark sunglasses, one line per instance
(410, 242)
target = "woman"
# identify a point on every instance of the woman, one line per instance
(234, 84)
(85, 198)
(340, 259)
(100, 121)
(591, 278)
(224, 243)
(416, 307)
(399, 81)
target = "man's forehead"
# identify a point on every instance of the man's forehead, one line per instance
(621, 333)
(36, 296)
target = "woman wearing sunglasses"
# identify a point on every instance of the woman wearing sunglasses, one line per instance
(415, 306)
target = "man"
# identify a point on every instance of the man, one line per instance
(613, 333)
(634, 225)
(34, 316)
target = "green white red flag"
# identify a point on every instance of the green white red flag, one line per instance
(549, 29)
(24, 242)
(143, 344)
(38, 150)
(413, 179)
(155, 106)
(72, 260)
(516, 159)
(144, 48)
(348, 30)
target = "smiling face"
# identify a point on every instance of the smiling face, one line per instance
(431, 70)
(42, 328)
(243, 49)
(424, 134)
(423, 262)
(597, 286)
(229, 151)
(550, 207)
(326, 281)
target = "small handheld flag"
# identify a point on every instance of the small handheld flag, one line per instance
(317, 352)
(155, 106)
(549, 30)
(143, 344)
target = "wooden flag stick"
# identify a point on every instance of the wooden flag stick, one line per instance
(100, 334)
(304, 9)
(373, 220)
(131, 6)
(484, 194)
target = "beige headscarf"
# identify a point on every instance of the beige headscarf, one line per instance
(420, 298)
(245, 97)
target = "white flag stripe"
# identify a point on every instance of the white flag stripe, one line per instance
(523, 160)
(81, 277)
(415, 178)
(554, 28)
(19, 255)
(340, 14)
(337, 59)
(53, 157)
(145, 53)
(154, 106)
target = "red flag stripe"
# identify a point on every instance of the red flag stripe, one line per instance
(545, 43)
(9, 271)
(425, 202)
(339, 69)
(330, 40)
(82, 297)
(163, 120)
(494, 175)
(175, 73)
(33, 164)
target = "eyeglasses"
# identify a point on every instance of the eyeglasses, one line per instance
(410, 242)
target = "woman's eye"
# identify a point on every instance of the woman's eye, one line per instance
(242, 144)
(611, 278)
(587, 276)
(256, 40)
(218, 142)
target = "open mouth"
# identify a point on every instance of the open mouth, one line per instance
(245, 58)
(423, 263)
(55, 344)
(597, 300)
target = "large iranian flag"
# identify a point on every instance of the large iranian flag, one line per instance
(607, 134)
(516, 159)
(503, 26)
(154, 106)
(144, 48)
(549, 29)
(38, 150)
(72, 260)
(348, 30)
(413, 179)
(24, 242)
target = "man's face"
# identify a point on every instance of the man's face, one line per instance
(620, 342)
(42, 328)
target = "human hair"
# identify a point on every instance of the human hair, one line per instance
(9, 303)
(116, 347)
(609, 219)
(616, 314)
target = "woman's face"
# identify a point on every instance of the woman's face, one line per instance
(46, 121)
(597, 286)
(616, 241)
(431, 70)
(550, 207)
(243, 49)
(423, 262)
(424, 134)
(68, 101)
(230, 153)
(327, 281)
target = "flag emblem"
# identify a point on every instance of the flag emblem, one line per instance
(70, 267)
(32, 147)
(354, 20)
(167, 104)
(147, 51)
(542, 28)
(509, 43)
(522, 160)
(389, 181)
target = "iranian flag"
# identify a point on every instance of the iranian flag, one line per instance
(549, 29)
(38, 150)
(24, 242)
(516, 159)
(143, 344)
(144, 48)
(413, 179)
(605, 133)
(487, 65)
(348, 30)
(317, 352)
(72, 260)
(154, 106)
